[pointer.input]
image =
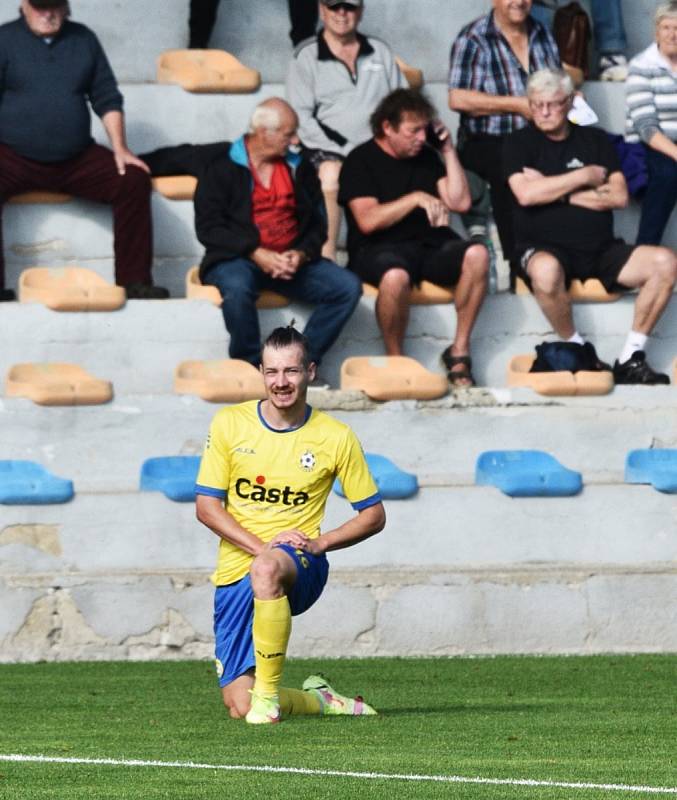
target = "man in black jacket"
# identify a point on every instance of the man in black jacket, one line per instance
(51, 71)
(260, 215)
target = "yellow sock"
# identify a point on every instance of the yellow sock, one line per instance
(270, 631)
(296, 701)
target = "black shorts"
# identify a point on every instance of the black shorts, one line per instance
(437, 259)
(604, 264)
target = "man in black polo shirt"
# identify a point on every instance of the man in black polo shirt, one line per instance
(398, 192)
(567, 181)
(50, 69)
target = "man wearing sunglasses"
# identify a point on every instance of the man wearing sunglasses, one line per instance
(335, 80)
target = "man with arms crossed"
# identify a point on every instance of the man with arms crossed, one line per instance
(267, 469)
(567, 181)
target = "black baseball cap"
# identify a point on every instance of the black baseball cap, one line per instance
(332, 3)
(44, 4)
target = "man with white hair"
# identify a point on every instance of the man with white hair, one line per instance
(260, 215)
(651, 100)
(567, 181)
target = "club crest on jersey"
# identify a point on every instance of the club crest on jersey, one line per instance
(307, 461)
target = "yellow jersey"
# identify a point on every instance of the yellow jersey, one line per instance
(273, 480)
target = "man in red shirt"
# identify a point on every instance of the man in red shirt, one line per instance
(259, 213)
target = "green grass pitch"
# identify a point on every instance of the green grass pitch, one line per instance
(598, 720)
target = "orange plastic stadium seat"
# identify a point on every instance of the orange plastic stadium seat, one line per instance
(392, 378)
(206, 71)
(196, 290)
(176, 187)
(674, 371)
(590, 291)
(425, 294)
(69, 289)
(558, 384)
(40, 197)
(54, 384)
(412, 75)
(226, 381)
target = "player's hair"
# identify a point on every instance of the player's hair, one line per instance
(288, 336)
(549, 81)
(397, 103)
(665, 11)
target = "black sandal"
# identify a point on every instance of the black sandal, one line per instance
(459, 378)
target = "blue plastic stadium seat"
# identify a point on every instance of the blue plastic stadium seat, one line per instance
(657, 467)
(29, 483)
(393, 483)
(173, 475)
(526, 473)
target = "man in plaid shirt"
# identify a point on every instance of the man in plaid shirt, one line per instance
(490, 62)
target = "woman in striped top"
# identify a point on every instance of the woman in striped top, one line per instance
(651, 99)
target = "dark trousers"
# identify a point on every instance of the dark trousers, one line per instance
(303, 18)
(483, 155)
(92, 176)
(201, 21)
(659, 198)
(332, 290)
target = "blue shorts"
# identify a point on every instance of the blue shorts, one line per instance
(234, 612)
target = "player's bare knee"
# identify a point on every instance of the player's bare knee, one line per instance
(328, 174)
(266, 574)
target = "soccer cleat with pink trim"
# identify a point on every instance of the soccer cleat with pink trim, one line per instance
(334, 703)
(263, 710)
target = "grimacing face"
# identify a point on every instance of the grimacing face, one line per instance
(512, 11)
(340, 20)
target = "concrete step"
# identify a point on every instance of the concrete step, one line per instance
(139, 346)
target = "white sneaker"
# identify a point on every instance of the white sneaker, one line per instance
(613, 67)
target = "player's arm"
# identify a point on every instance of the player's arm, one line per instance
(211, 513)
(532, 188)
(610, 195)
(366, 523)
(453, 188)
(372, 216)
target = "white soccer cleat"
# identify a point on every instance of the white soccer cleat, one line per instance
(334, 703)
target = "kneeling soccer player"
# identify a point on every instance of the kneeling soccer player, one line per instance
(266, 471)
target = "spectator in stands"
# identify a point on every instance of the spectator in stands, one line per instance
(398, 192)
(491, 60)
(567, 180)
(259, 213)
(303, 18)
(651, 96)
(50, 68)
(335, 81)
(302, 14)
(608, 30)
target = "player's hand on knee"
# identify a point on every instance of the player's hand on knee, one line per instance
(293, 537)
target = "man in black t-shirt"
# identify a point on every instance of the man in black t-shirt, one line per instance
(398, 192)
(566, 181)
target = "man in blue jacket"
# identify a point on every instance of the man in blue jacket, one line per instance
(259, 213)
(51, 70)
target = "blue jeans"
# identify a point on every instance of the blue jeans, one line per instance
(659, 198)
(332, 290)
(607, 24)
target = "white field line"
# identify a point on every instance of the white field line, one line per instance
(116, 762)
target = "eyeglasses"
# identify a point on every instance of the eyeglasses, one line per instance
(548, 105)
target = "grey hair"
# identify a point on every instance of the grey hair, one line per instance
(664, 10)
(549, 81)
(265, 116)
